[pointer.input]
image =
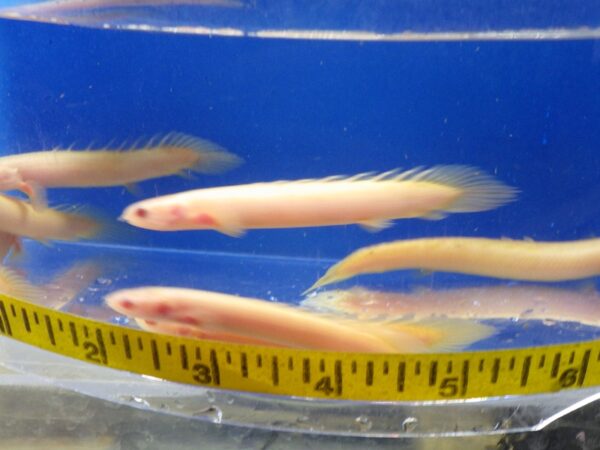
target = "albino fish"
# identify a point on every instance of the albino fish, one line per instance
(283, 325)
(368, 200)
(20, 218)
(477, 303)
(174, 154)
(497, 258)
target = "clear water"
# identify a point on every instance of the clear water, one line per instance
(526, 111)
(273, 278)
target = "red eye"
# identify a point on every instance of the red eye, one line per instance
(141, 212)
(127, 304)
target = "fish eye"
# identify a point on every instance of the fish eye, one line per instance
(141, 212)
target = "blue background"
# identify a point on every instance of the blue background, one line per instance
(528, 112)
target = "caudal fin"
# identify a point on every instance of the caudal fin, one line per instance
(212, 158)
(480, 191)
(436, 335)
(15, 285)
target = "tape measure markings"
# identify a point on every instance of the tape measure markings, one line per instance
(352, 376)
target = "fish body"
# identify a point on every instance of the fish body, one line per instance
(496, 258)
(368, 200)
(476, 303)
(179, 329)
(35, 171)
(248, 319)
(20, 218)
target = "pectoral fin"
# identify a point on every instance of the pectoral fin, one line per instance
(227, 222)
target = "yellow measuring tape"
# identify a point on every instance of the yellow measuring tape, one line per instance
(333, 375)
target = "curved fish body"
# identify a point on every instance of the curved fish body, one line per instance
(33, 172)
(248, 320)
(496, 258)
(368, 200)
(20, 218)
(473, 303)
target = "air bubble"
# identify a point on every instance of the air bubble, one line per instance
(104, 281)
(364, 423)
(121, 320)
(409, 424)
(212, 413)
(138, 400)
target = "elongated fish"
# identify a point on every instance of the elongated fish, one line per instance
(476, 303)
(282, 325)
(368, 200)
(173, 154)
(497, 258)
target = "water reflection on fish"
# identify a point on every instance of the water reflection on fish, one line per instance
(482, 302)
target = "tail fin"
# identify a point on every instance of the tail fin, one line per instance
(481, 192)
(15, 285)
(212, 158)
(436, 335)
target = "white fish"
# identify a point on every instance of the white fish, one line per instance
(368, 200)
(282, 325)
(175, 153)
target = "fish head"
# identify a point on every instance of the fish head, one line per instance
(172, 216)
(155, 215)
(123, 300)
(161, 302)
